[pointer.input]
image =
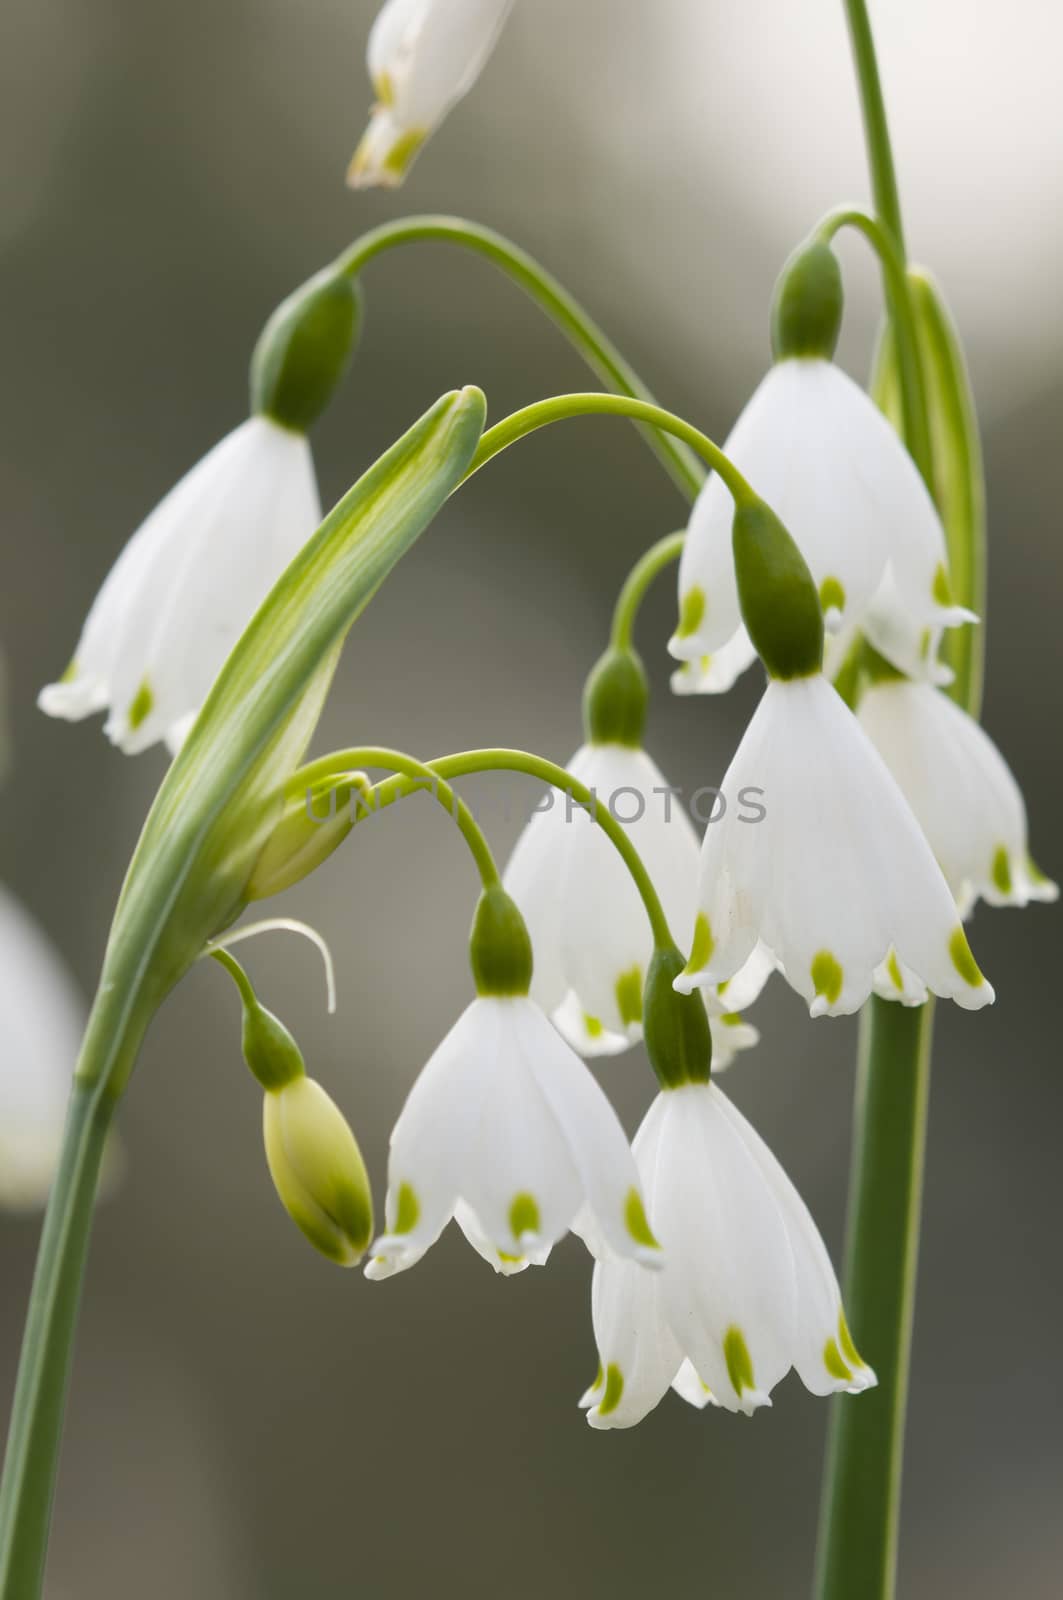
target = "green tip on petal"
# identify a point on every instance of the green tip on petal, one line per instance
(701, 948)
(963, 960)
(827, 976)
(691, 612)
(845, 1340)
(831, 595)
(834, 1364)
(941, 589)
(629, 997)
(614, 1389)
(739, 1362)
(142, 704)
(594, 1026)
(1001, 870)
(407, 1209)
(524, 1216)
(635, 1221)
(893, 967)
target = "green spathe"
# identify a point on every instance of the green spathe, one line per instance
(304, 350)
(500, 951)
(675, 1026)
(776, 591)
(615, 698)
(806, 313)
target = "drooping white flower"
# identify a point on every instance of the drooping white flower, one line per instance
(747, 1290)
(837, 878)
(588, 925)
(41, 1021)
(423, 57)
(813, 445)
(507, 1130)
(187, 584)
(961, 790)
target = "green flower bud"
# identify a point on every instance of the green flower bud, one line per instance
(675, 1026)
(615, 698)
(500, 950)
(317, 1170)
(303, 351)
(806, 313)
(777, 594)
(312, 827)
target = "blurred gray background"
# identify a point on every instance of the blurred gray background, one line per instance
(245, 1420)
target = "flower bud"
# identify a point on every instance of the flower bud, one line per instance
(776, 593)
(806, 313)
(317, 1169)
(677, 1033)
(615, 699)
(314, 824)
(500, 951)
(304, 349)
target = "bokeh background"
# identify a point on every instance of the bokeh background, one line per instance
(245, 1421)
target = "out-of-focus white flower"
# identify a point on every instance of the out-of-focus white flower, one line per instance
(187, 584)
(588, 925)
(423, 56)
(506, 1130)
(961, 790)
(837, 878)
(813, 445)
(747, 1290)
(41, 1022)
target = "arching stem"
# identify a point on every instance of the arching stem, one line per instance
(646, 569)
(564, 311)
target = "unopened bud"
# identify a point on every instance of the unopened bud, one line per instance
(317, 1169)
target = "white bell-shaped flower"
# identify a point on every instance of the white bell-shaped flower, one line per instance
(423, 57)
(507, 1130)
(588, 925)
(815, 447)
(187, 584)
(837, 878)
(961, 790)
(747, 1290)
(41, 1021)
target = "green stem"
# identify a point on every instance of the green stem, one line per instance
(28, 1483)
(422, 776)
(862, 1482)
(565, 406)
(876, 128)
(567, 314)
(860, 1512)
(646, 569)
(467, 762)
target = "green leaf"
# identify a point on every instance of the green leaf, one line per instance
(958, 477)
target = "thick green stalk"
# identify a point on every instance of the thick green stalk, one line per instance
(565, 312)
(857, 1555)
(27, 1487)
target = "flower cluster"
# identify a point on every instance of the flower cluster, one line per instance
(815, 546)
